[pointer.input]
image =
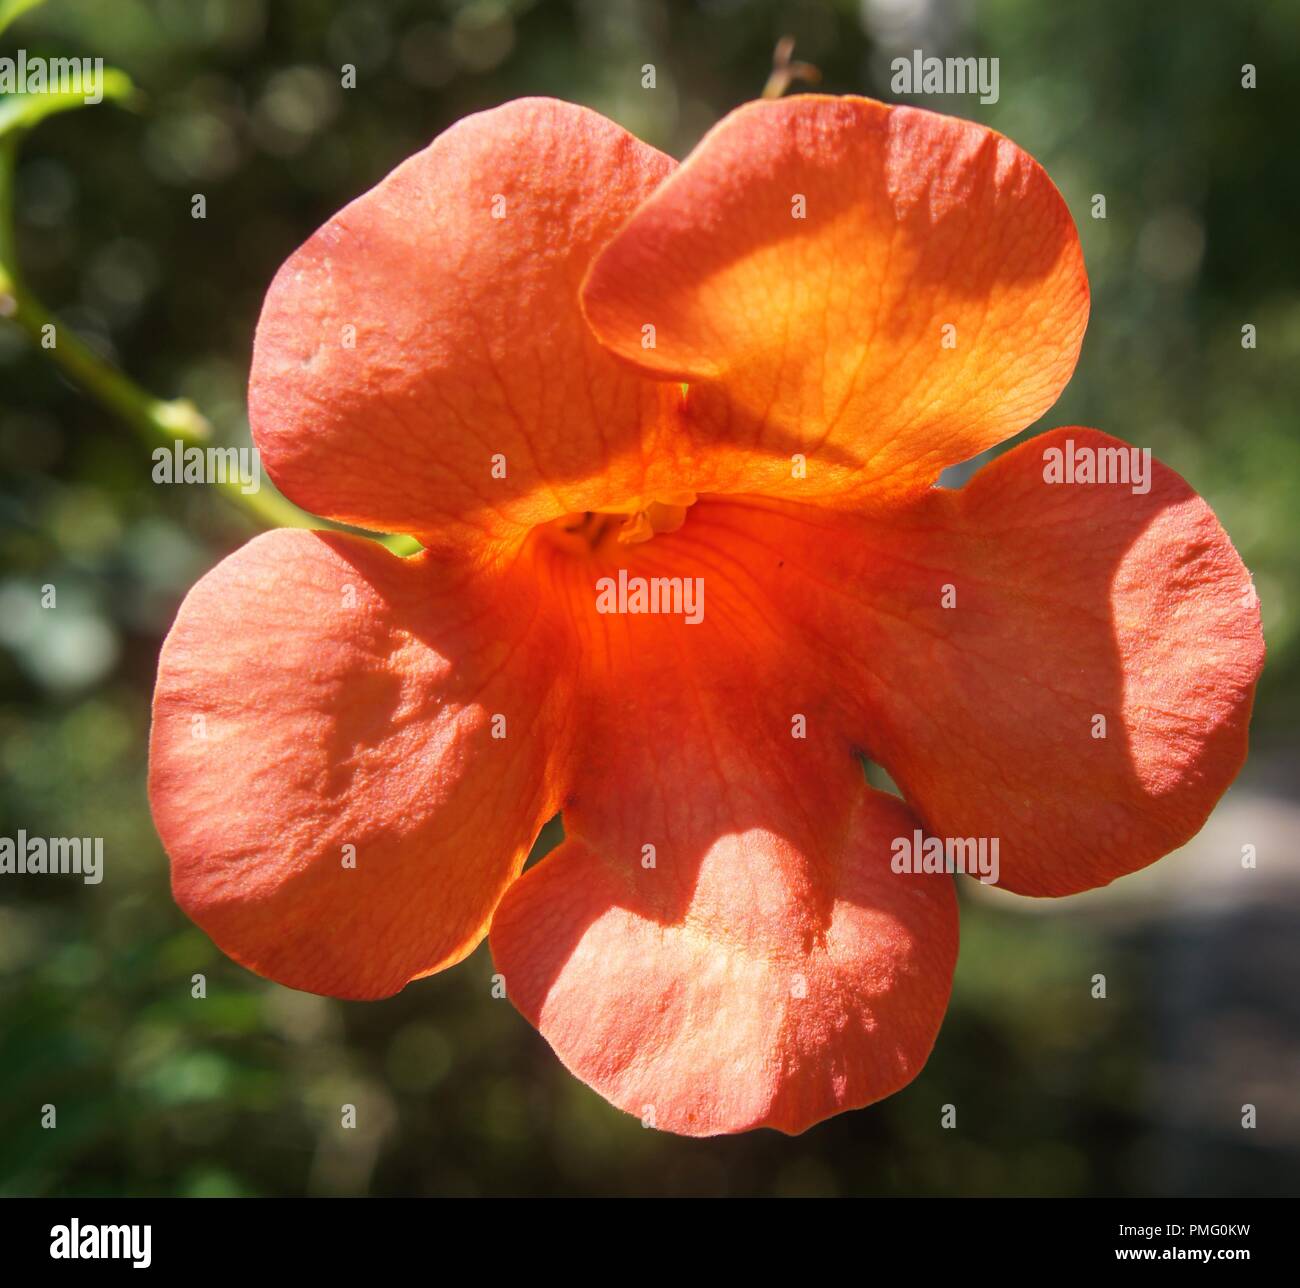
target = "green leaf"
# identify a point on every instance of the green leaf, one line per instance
(22, 111)
(11, 9)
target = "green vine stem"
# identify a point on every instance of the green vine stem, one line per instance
(155, 420)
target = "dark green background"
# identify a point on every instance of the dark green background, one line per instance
(1056, 1093)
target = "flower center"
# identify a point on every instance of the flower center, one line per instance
(629, 525)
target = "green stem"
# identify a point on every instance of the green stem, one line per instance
(8, 163)
(151, 417)
(154, 419)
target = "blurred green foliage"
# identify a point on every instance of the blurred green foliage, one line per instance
(241, 100)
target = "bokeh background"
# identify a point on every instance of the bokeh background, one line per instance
(1056, 1093)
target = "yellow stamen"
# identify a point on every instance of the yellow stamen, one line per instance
(641, 520)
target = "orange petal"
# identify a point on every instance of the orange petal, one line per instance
(323, 770)
(769, 1004)
(801, 270)
(721, 944)
(1085, 695)
(429, 336)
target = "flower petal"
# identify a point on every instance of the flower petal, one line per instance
(721, 943)
(801, 269)
(1066, 667)
(319, 699)
(768, 1005)
(429, 335)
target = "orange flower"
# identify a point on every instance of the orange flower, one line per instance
(761, 360)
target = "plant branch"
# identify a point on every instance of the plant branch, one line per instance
(155, 420)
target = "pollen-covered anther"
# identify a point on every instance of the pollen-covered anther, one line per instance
(665, 514)
(632, 523)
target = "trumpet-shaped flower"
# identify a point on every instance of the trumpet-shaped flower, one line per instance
(669, 436)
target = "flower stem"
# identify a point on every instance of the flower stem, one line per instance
(155, 420)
